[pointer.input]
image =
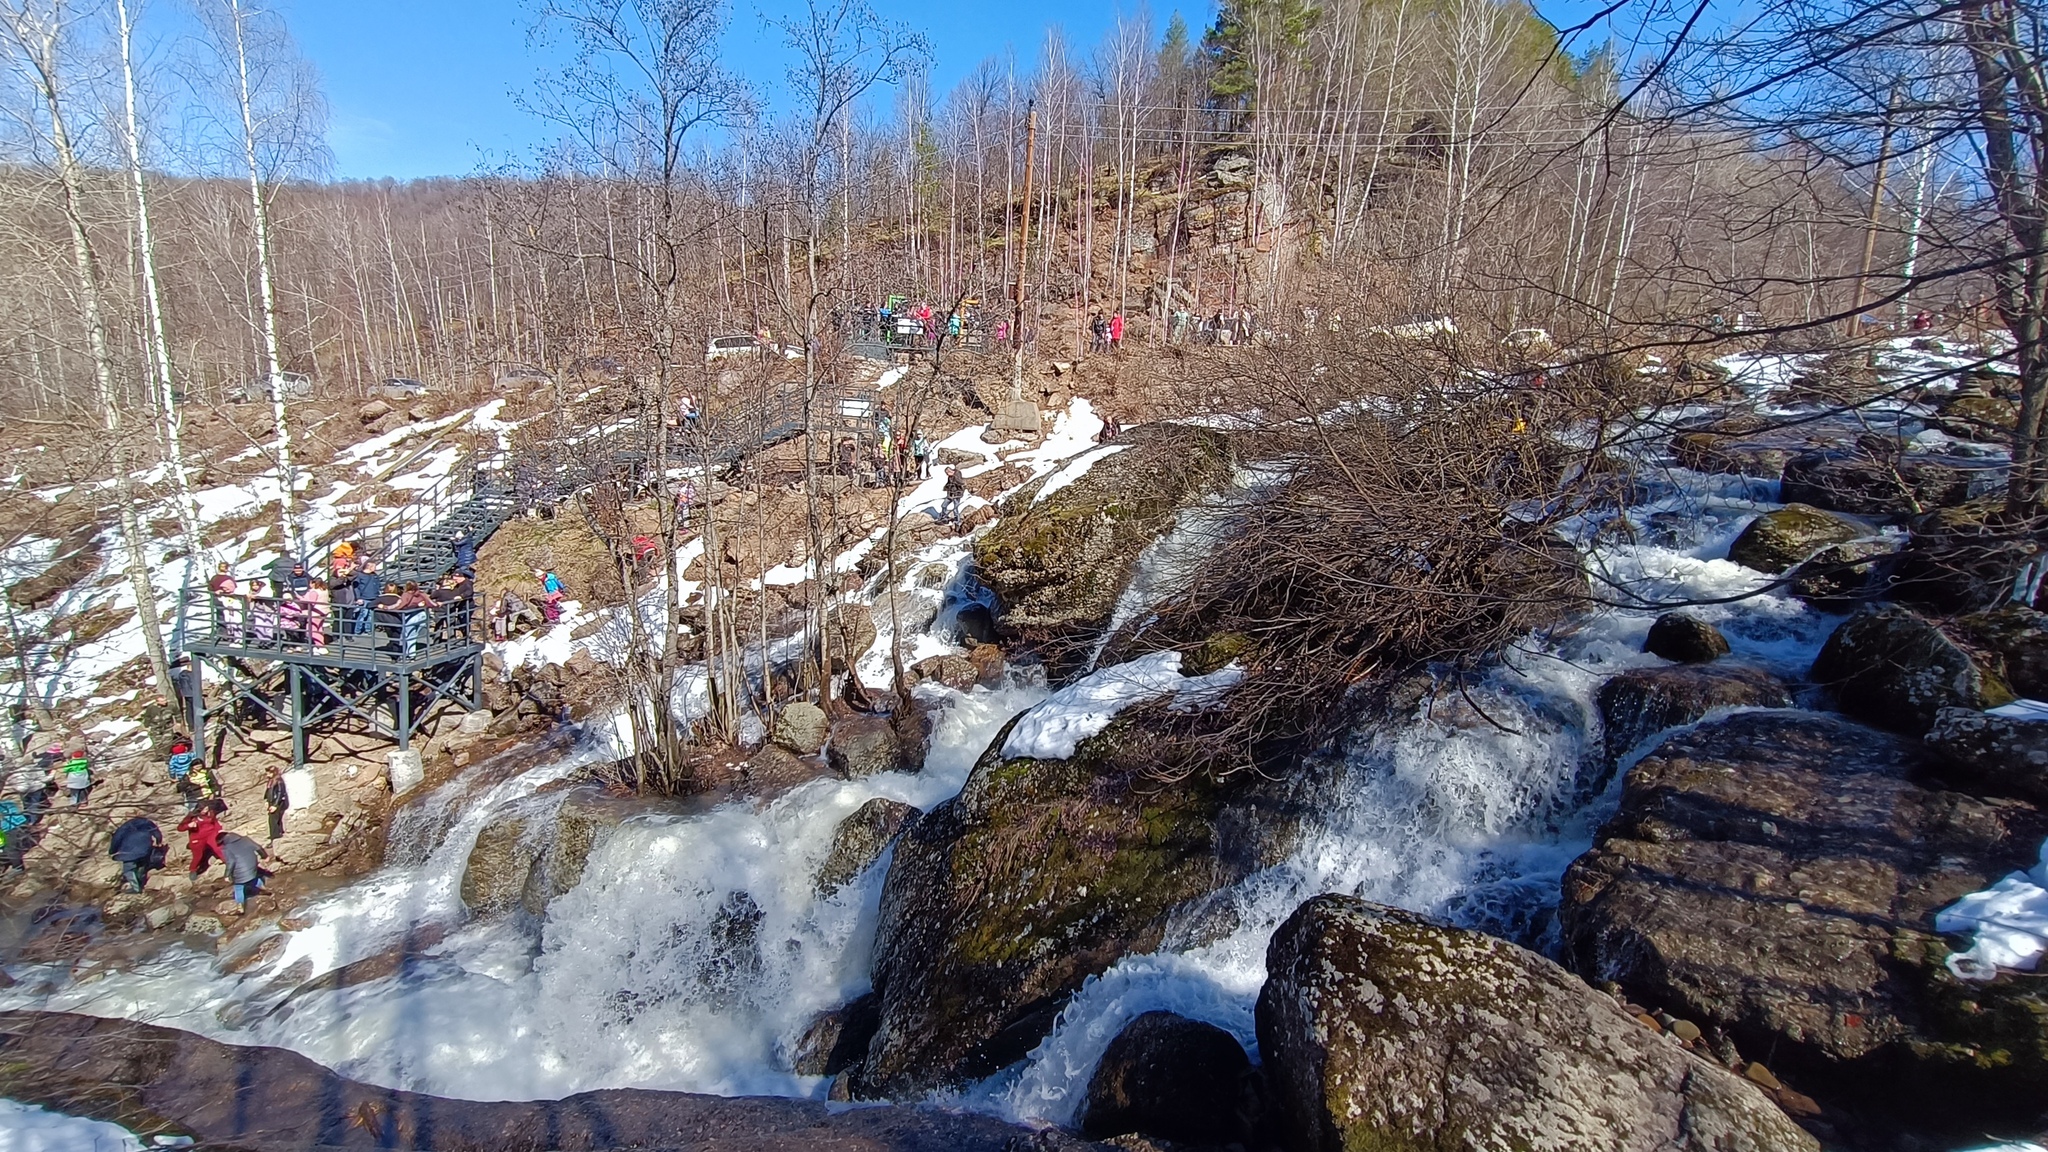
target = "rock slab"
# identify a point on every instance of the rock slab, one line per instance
(1773, 877)
(1382, 1030)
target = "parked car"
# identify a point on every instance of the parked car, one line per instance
(731, 347)
(293, 385)
(403, 388)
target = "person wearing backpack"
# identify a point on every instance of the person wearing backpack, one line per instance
(77, 775)
(139, 846)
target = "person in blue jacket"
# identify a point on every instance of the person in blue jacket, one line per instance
(464, 548)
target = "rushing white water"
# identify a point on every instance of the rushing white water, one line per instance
(1466, 810)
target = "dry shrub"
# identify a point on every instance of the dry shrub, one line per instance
(1410, 521)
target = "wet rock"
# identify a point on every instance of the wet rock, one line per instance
(1890, 666)
(1998, 755)
(1000, 902)
(1773, 876)
(860, 840)
(1841, 577)
(989, 665)
(529, 855)
(1642, 702)
(494, 879)
(2015, 640)
(977, 624)
(1740, 446)
(775, 769)
(1169, 1076)
(585, 817)
(1870, 481)
(1057, 566)
(863, 746)
(1685, 638)
(735, 961)
(1777, 541)
(837, 1039)
(955, 672)
(801, 728)
(1973, 415)
(1380, 1029)
(274, 1100)
(1964, 559)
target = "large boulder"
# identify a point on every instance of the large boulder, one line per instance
(1999, 755)
(1739, 445)
(1776, 541)
(1874, 480)
(1773, 877)
(1892, 667)
(863, 746)
(1000, 902)
(1168, 1076)
(536, 851)
(1965, 559)
(1976, 415)
(835, 1039)
(154, 1079)
(1641, 702)
(860, 840)
(1685, 638)
(1058, 564)
(2015, 641)
(801, 728)
(1382, 1030)
(1843, 577)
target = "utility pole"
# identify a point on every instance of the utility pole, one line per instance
(1884, 160)
(1023, 253)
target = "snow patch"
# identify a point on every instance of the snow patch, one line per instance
(1056, 727)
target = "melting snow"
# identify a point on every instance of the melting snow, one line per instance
(2010, 919)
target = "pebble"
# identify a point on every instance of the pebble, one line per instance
(1685, 1030)
(1758, 1074)
(1649, 1021)
(160, 916)
(203, 925)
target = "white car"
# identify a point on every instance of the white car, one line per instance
(730, 347)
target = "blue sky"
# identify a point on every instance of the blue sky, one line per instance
(423, 87)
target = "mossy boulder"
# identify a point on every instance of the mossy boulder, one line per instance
(1777, 541)
(1963, 559)
(1890, 666)
(1058, 564)
(1773, 877)
(2015, 640)
(1998, 755)
(1000, 902)
(1384, 1032)
(1872, 480)
(860, 840)
(1978, 416)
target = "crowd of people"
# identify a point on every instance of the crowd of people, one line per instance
(55, 768)
(294, 609)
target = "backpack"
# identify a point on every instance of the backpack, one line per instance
(180, 765)
(551, 583)
(11, 817)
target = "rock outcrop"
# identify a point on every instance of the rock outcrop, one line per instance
(1773, 877)
(860, 840)
(2015, 639)
(531, 854)
(1890, 666)
(1964, 559)
(1998, 755)
(1685, 638)
(1058, 564)
(1778, 541)
(1641, 702)
(1000, 902)
(1873, 479)
(1382, 1030)
(159, 1080)
(1168, 1076)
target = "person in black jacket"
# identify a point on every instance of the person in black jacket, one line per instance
(138, 845)
(464, 549)
(369, 585)
(277, 800)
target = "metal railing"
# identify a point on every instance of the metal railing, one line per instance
(474, 474)
(281, 626)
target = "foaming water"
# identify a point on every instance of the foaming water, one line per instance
(690, 956)
(1469, 808)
